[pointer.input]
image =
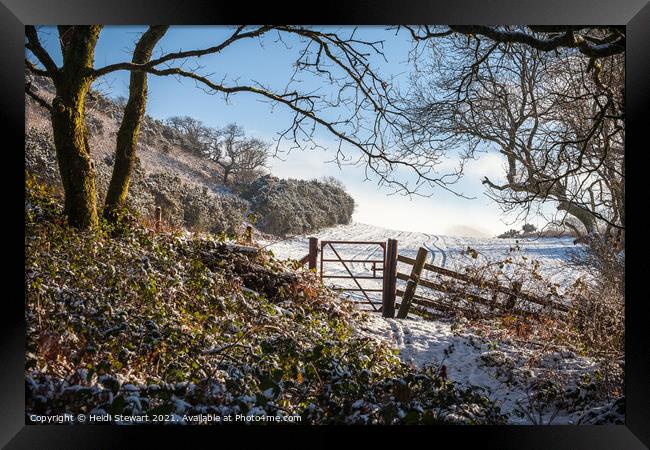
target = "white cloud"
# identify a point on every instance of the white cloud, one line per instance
(491, 165)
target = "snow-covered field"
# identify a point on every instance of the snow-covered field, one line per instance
(444, 251)
(505, 371)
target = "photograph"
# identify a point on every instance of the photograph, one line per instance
(291, 226)
(187, 189)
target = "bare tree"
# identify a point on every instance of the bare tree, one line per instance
(359, 112)
(557, 119)
(238, 155)
(195, 135)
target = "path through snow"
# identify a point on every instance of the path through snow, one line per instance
(504, 371)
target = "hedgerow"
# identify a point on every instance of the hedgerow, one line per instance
(125, 320)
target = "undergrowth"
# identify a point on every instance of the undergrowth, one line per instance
(592, 324)
(125, 320)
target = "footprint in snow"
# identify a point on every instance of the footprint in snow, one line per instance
(407, 332)
(397, 332)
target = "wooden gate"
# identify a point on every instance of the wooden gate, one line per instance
(384, 269)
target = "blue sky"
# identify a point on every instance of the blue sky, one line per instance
(270, 62)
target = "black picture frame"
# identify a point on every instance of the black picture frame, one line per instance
(14, 14)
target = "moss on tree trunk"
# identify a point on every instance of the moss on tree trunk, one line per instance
(127, 136)
(72, 83)
(75, 164)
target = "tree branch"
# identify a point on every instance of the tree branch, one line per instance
(236, 36)
(35, 70)
(567, 39)
(34, 45)
(40, 100)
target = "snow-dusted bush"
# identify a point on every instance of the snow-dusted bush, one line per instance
(510, 234)
(552, 230)
(290, 206)
(528, 228)
(189, 206)
(40, 156)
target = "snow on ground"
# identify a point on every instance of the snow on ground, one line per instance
(504, 371)
(444, 251)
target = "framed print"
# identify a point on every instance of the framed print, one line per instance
(383, 219)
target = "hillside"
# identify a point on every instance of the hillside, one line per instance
(188, 187)
(158, 151)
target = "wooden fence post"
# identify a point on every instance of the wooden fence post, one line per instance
(313, 252)
(158, 221)
(249, 234)
(390, 279)
(412, 283)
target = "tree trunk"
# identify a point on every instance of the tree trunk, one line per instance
(127, 136)
(73, 155)
(583, 215)
(226, 174)
(72, 83)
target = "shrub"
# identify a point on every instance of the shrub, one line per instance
(599, 311)
(528, 228)
(297, 206)
(189, 206)
(510, 234)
